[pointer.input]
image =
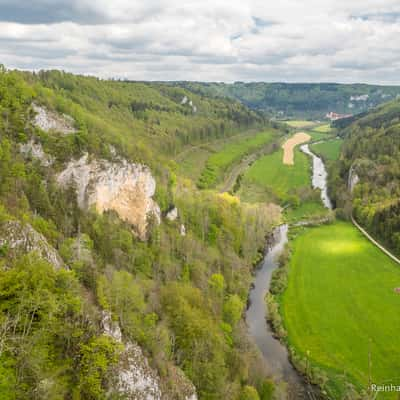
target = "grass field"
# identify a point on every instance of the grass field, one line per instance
(219, 162)
(329, 150)
(323, 128)
(340, 304)
(300, 124)
(315, 136)
(305, 211)
(271, 175)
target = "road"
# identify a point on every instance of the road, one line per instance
(372, 240)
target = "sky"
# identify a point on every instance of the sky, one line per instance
(206, 40)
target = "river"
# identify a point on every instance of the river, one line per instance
(319, 176)
(274, 352)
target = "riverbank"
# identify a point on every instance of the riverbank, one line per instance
(266, 334)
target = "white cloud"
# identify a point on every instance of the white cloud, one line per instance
(312, 40)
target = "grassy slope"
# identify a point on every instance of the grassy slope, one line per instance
(339, 296)
(329, 150)
(218, 163)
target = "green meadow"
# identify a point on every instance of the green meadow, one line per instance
(340, 307)
(270, 175)
(323, 128)
(219, 162)
(311, 209)
(329, 150)
(300, 124)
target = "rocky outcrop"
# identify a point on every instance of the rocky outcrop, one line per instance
(186, 100)
(123, 187)
(178, 386)
(18, 238)
(135, 379)
(172, 214)
(353, 179)
(35, 150)
(48, 120)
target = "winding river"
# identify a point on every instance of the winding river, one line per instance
(274, 352)
(319, 175)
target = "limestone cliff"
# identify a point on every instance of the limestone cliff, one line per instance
(353, 178)
(18, 238)
(123, 187)
(35, 150)
(135, 379)
(48, 120)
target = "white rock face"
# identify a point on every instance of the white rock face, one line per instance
(135, 379)
(51, 121)
(361, 97)
(110, 327)
(123, 187)
(21, 239)
(172, 215)
(35, 150)
(353, 179)
(186, 100)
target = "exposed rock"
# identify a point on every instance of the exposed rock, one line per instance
(35, 150)
(353, 179)
(21, 238)
(123, 187)
(135, 379)
(172, 214)
(110, 327)
(185, 100)
(48, 120)
(183, 230)
(177, 386)
(361, 97)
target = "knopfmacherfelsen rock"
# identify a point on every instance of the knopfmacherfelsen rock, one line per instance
(121, 186)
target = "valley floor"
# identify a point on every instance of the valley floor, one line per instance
(340, 307)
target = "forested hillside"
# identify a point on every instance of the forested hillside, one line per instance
(300, 100)
(86, 277)
(370, 170)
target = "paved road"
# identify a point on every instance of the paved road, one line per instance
(371, 239)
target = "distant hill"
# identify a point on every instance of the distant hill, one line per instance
(300, 100)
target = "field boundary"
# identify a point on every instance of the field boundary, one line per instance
(372, 240)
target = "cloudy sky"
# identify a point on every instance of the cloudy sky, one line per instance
(210, 40)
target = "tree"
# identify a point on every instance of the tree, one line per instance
(249, 393)
(233, 309)
(96, 358)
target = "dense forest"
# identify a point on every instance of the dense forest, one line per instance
(299, 100)
(366, 179)
(180, 294)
